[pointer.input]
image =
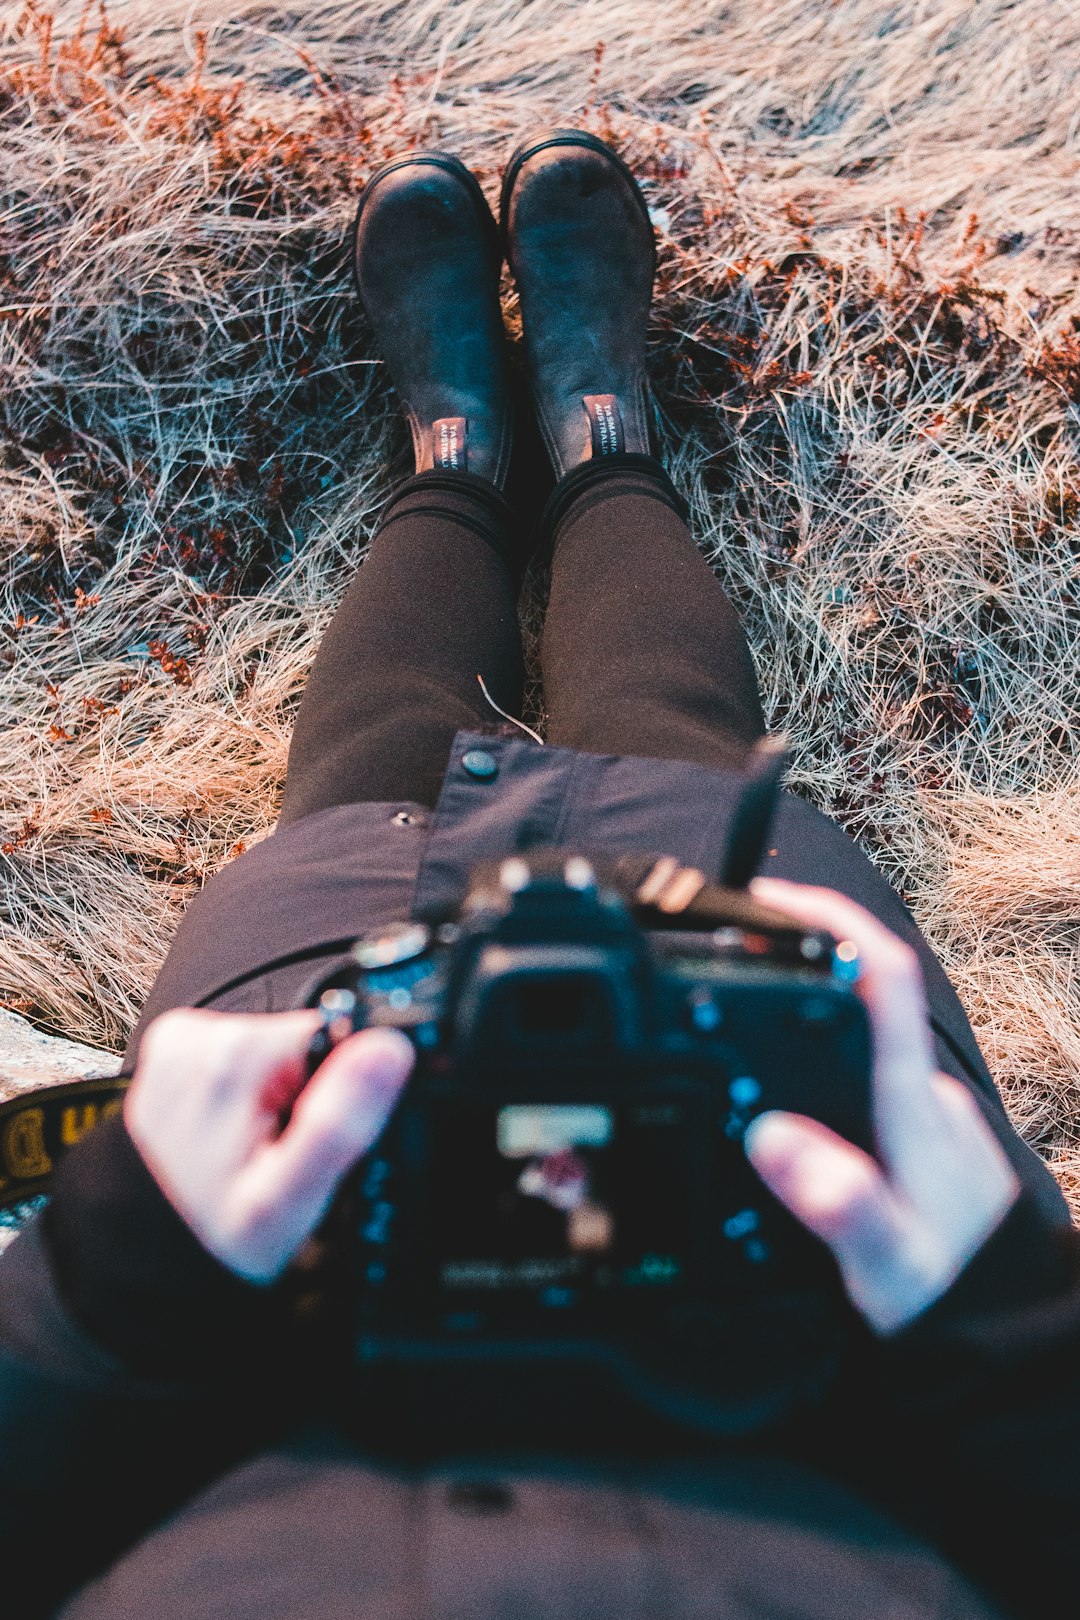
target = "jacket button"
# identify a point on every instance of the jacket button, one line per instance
(480, 764)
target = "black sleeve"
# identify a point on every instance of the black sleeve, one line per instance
(973, 1415)
(133, 1369)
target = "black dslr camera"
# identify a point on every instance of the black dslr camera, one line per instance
(564, 1177)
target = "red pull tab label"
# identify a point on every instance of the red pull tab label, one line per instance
(605, 422)
(451, 451)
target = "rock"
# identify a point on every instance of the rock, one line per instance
(29, 1058)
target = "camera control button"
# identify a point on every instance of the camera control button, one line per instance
(740, 1225)
(744, 1229)
(400, 942)
(744, 1091)
(705, 1014)
(481, 765)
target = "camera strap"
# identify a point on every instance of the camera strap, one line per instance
(38, 1128)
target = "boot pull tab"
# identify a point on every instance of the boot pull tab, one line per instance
(450, 444)
(605, 424)
(753, 814)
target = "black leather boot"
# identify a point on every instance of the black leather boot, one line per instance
(580, 244)
(427, 258)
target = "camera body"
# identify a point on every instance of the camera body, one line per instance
(563, 1178)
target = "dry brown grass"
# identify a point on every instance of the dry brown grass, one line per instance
(867, 358)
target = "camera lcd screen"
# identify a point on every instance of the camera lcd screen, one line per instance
(560, 1200)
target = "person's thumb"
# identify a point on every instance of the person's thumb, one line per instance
(839, 1193)
(290, 1183)
(345, 1106)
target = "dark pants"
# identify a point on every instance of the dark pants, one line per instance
(642, 651)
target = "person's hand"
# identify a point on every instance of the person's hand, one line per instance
(904, 1229)
(205, 1111)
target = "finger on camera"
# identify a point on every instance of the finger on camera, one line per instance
(342, 1111)
(230, 1050)
(883, 956)
(821, 1178)
(290, 1183)
(840, 1195)
(971, 1146)
(270, 1045)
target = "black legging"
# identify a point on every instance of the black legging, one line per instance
(642, 652)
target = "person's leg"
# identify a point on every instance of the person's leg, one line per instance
(432, 607)
(434, 604)
(642, 651)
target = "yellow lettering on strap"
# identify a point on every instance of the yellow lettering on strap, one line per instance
(75, 1122)
(23, 1145)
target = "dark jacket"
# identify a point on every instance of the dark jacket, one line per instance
(151, 1402)
(282, 914)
